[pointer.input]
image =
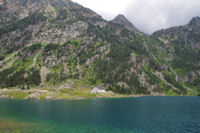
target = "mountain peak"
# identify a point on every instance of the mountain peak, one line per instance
(195, 21)
(122, 20)
(120, 16)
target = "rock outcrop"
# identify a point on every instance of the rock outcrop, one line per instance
(123, 21)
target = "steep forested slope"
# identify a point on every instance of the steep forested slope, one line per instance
(186, 51)
(47, 42)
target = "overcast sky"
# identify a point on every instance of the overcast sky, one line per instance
(147, 15)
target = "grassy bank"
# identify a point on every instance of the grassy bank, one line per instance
(71, 90)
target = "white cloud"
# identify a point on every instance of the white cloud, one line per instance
(156, 14)
(147, 15)
(107, 8)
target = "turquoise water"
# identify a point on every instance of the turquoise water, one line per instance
(125, 115)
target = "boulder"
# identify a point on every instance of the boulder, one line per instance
(35, 95)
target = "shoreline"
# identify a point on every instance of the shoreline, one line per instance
(64, 94)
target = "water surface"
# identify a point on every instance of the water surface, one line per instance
(125, 115)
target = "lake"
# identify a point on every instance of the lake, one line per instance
(124, 115)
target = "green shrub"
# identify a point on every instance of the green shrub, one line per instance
(2, 57)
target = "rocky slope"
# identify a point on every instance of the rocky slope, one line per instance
(123, 21)
(48, 42)
(185, 43)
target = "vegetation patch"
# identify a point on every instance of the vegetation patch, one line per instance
(2, 57)
(17, 94)
(171, 78)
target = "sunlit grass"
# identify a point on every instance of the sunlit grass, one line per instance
(84, 92)
(17, 94)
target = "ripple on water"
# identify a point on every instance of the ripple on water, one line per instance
(126, 115)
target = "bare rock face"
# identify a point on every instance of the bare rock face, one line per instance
(123, 21)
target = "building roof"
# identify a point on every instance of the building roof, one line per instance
(100, 88)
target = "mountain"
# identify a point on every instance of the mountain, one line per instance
(188, 33)
(123, 21)
(49, 42)
(185, 43)
(195, 22)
